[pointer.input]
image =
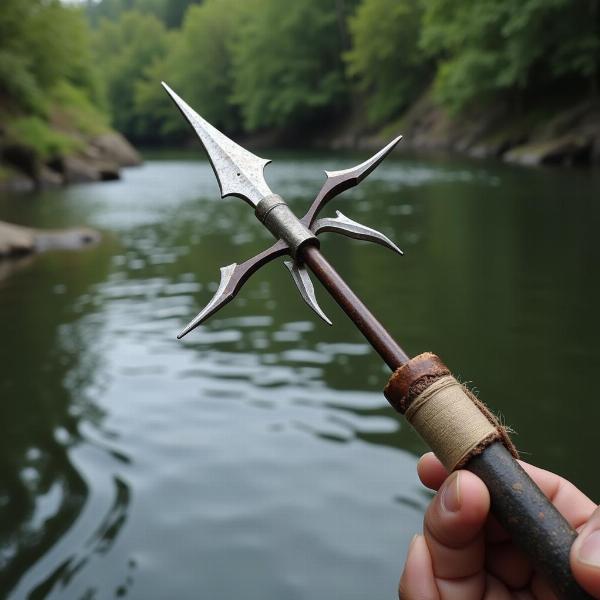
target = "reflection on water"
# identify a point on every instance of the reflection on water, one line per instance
(259, 454)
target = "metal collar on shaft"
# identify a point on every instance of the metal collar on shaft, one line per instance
(279, 219)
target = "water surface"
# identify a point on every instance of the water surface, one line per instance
(258, 456)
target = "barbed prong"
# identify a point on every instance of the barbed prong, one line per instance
(342, 224)
(305, 286)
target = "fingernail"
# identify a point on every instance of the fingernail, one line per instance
(451, 493)
(589, 551)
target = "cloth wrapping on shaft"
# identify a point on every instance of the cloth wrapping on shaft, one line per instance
(453, 422)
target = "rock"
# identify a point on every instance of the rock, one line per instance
(21, 157)
(79, 170)
(566, 150)
(65, 239)
(17, 241)
(112, 146)
(109, 171)
(49, 177)
(100, 160)
(563, 135)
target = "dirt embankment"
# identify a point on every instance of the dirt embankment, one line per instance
(563, 135)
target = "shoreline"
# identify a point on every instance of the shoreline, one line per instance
(101, 158)
(18, 241)
(567, 135)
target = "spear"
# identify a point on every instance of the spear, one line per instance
(456, 425)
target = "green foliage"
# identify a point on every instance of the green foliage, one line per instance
(486, 47)
(286, 63)
(271, 64)
(37, 134)
(125, 51)
(170, 12)
(18, 83)
(17, 80)
(75, 111)
(49, 87)
(201, 62)
(151, 101)
(41, 43)
(198, 65)
(255, 64)
(385, 57)
(173, 11)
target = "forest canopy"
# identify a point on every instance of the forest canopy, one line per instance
(266, 64)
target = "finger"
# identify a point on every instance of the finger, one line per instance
(573, 504)
(454, 534)
(417, 581)
(496, 590)
(431, 471)
(585, 555)
(540, 588)
(509, 564)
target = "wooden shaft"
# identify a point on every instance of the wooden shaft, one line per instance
(532, 521)
(376, 334)
(516, 501)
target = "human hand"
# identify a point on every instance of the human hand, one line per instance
(464, 554)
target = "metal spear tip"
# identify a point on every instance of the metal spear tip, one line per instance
(238, 171)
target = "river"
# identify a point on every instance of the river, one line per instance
(258, 457)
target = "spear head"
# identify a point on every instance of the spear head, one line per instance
(239, 172)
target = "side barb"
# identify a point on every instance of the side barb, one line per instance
(233, 278)
(302, 280)
(342, 224)
(340, 181)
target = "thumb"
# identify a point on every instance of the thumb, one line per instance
(585, 555)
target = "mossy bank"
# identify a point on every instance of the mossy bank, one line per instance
(69, 142)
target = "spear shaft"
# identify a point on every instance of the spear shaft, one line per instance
(526, 514)
(457, 426)
(377, 335)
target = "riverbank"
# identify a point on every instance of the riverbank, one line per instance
(96, 158)
(67, 140)
(16, 240)
(560, 134)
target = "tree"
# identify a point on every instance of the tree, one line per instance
(486, 47)
(174, 11)
(202, 63)
(126, 51)
(287, 63)
(41, 44)
(169, 12)
(385, 57)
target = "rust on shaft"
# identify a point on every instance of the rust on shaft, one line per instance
(383, 343)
